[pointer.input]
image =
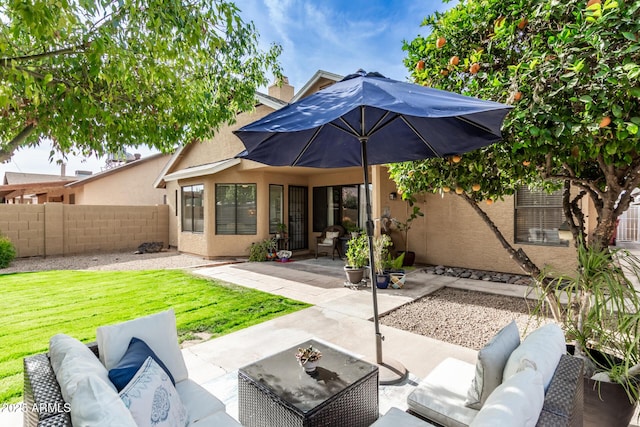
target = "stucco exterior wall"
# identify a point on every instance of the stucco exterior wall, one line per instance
(451, 233)
(58, 229)
(129, 186)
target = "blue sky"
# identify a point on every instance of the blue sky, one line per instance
(338, 36)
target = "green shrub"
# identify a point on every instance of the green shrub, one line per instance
(7, 252)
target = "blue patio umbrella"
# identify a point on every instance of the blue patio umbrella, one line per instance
(367, 119)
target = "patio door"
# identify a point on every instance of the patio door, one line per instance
(298, 223)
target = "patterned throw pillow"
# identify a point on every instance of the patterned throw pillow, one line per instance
(152, 399)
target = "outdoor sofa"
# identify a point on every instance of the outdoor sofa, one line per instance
(533, 383)
(70, 385)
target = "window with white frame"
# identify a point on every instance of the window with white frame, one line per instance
(276, 207)
(193, 208)
(538, 217)
(236, 209)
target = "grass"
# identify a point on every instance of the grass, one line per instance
(36, 306)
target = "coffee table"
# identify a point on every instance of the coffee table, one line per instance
(276, 391)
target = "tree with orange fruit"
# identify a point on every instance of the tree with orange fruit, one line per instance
(572, 71)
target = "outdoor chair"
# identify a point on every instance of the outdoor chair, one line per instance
(329, 240)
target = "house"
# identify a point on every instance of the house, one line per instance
(220, 204)
(126, 183)
(36, 188)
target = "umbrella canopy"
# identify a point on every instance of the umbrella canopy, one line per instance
(401, 121)
(367, 119)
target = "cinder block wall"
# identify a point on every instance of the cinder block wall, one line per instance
(57, 229)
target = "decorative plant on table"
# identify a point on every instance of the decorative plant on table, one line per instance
(352, 228)
(281, 228)
(599, 309)
(404, 227)
(308, 357)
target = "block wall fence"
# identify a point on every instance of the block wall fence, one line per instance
(57, 229)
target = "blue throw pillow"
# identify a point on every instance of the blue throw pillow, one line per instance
(133, 358)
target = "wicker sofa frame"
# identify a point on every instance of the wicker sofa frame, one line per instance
(43, 402)
(564, 400)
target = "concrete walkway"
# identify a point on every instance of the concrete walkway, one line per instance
(340, 315)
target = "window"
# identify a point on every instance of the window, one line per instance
(236, 209)
(342, 204)
(538, 216)
(193, 208)
(276, 206)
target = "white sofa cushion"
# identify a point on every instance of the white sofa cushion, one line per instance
(152, 398)
(199, 403)
(96, 404)
(492, 359)
(516, 402)
(158, 331)
(72, 361)
(540, 350)
(441, 394)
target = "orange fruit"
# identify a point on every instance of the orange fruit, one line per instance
(590, 2)
(454, 60)
(517, 96)
(475, 187)
(526, 162)
(446, 189)
(456, 159)
(441, 42)
(475, 67)
(489, 201)
(444, 72)
(459, 190)
(606, 120)
(523, 23)
(420, 65)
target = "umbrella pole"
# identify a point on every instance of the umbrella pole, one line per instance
(392, 371)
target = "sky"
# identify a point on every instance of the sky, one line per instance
(338, 36)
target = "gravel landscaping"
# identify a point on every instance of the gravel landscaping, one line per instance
(466, 318)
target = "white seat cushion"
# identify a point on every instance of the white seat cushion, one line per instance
(441, 395)
(158, 331)
(398, 418)
(199, 403)
(540, 350)
(516, 402)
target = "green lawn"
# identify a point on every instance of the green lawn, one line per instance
(36, 306)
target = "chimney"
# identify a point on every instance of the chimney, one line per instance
(63, 169)
(282, 90)
(137, 156)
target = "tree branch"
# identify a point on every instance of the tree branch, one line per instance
(8, 62)
(7, 151)
(518, 255)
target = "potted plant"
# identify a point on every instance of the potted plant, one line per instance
(404, 227)
(351, 227)
(397, 274)
(281, 228)
(308, 358)
(380, 255)
(357, 258)
(599, 309)
(264, 250)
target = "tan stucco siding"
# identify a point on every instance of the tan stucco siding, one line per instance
(225, 144)
(451, 233)
(129, 186)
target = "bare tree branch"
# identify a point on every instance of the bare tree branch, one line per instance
(7, 151)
